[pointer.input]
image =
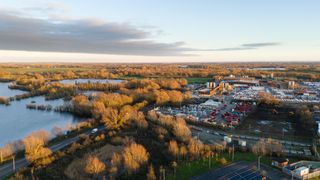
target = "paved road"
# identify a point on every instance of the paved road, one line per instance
(209, 133)
(6, 169)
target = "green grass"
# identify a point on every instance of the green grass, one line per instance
(198, 80)
(186, 170)
(132, 77)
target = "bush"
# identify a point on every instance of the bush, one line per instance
(223, 161)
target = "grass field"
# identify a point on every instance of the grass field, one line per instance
(198, 80)
(40, 69)
(187, 170)
(132, 77)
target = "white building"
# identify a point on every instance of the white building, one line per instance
(301, 171)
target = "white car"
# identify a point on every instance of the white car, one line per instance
(217, 134)
(94, 130)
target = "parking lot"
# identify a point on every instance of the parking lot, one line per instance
(227, 114)
(235, 171)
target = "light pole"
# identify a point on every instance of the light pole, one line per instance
(232, 152)
(259, 162)
(13, 164)
(210, 159)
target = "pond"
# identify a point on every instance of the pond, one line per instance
(74, 81)
(16, 121)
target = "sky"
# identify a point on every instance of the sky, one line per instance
(118, 31)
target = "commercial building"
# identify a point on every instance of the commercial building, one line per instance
(303, 169)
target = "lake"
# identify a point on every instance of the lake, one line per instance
(74, 81)
(6, 92)
(16, 121)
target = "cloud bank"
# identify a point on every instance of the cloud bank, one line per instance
(23, 32)
(84, 35)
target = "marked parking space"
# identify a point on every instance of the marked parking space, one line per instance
(235, 171)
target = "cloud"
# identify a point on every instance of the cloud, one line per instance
(47, 7)
(255, 45)
(83, 35)
(249, 46)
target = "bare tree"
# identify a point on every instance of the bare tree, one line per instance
(174, 165)
(6, 151)
(35, 151)
(195, 147)
(114, 119)
(267, 146)
(151, 174)
(182, 131)
(94, 166)
(134, 155)
(173, 148)
(183, 151)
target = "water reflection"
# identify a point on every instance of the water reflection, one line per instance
(74, 81)
(6, 92)
(16, 121)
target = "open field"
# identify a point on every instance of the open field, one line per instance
(132, 77)
(263, 122)
(198, 80)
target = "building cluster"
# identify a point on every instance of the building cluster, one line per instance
(212, 112)
(231, 99)
(247, 89)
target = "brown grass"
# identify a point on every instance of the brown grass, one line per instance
(75, 169)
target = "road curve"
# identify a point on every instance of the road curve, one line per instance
(7, 169)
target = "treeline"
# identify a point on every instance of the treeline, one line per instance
(125, 103)
(168, 88)
(308, 71)
(98, 86)
(209, 70)
(159, 91)
(34, 145)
